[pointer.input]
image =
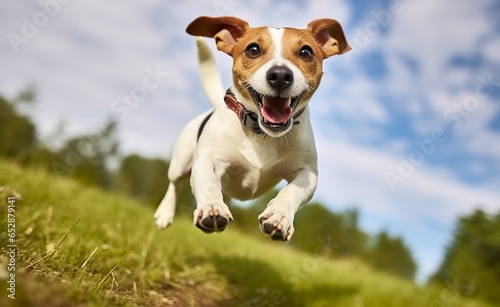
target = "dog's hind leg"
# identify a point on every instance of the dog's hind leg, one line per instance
(164, 215)
(179, 170)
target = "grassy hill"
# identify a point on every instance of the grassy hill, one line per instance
(109, 253)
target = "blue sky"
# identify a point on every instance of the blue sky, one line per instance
(406, 124)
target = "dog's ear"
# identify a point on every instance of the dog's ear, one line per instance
(329, 35)
(226, 30)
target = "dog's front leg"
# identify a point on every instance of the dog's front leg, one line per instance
(211, 214)
(277, 219)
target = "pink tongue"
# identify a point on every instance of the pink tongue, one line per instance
(276, 110)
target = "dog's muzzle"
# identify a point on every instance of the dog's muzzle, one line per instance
(276, 112)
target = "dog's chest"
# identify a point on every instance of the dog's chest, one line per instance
(255, 168)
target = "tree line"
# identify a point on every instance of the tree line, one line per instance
(472, 259)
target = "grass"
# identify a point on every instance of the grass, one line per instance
(79, 246)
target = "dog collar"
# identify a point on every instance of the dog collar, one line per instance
(248, 118)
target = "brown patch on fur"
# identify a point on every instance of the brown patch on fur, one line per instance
(312, 70)
(243, 66)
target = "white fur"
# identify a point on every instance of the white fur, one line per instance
(277, 37)
(258, 80)
(212, 84)
(230, 161)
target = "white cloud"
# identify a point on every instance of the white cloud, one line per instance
(289, 13)
(490, 49)
(430, 30)
(92, 53)
(354, 99)
(353, 175)
(450, 30)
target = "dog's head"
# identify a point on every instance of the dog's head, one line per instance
(275, 71)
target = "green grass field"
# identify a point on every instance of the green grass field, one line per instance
(109, 253)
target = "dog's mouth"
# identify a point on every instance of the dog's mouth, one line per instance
(276, 112)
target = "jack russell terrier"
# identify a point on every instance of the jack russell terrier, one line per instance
(261, 134)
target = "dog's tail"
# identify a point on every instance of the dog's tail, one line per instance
(210, 78)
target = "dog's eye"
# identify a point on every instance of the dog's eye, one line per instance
(306, 53)
(253, 51)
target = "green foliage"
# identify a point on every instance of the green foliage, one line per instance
(86, 157)
(392, 255)
(145, 179)
(17, 132)
(314, 222)
(472, 261)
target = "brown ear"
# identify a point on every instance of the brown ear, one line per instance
(329, 35)
(226, 30)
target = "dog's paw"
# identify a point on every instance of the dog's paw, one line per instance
(164, 217)
(275, 223)
(212, 218)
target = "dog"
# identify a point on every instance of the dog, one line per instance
(259, 132)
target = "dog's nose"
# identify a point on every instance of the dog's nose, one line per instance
(279, 77)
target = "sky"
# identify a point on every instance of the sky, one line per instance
(407, 124)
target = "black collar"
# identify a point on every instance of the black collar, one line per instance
(248, 118)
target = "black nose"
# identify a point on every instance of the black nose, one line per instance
(279, 77)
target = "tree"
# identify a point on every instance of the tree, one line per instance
(472, 261)
(145, 179)
(392, 255)
(87, 157)
(17, 132)
(315, 223)
(355, 241)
